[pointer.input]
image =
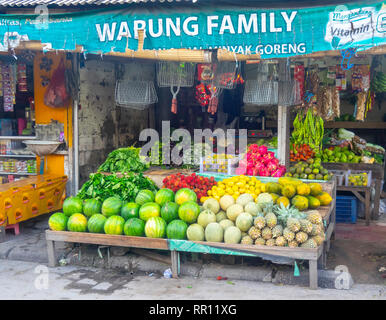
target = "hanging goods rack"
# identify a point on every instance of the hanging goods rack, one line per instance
(175, 75)
(224, 77)
(137, 95)
(289, 89)
(263, 90)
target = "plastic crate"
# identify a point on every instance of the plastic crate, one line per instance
(219, 166)
(341, 176)
(346, 209)
(358, 172)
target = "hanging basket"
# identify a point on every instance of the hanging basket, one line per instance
(135, 94)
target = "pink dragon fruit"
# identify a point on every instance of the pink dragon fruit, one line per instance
(250, 172)
(262, 150)
(271, 166)
(240, 171)
(279, 172)
(264, 172)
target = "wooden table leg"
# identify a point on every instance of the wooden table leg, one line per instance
(175, 257)
(367, 206)
(377, 198)
(51, 253)
(313, 270)
(2, 234)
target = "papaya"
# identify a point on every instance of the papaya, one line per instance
(273, 187)
(274, 197)
(313, 202)
(303, 189)
(288, 191)
(283, 181)
(300, 202)
(283, 200)
(324, 198)
(316, 188)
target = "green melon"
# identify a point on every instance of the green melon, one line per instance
(134, 227)
(163, 196)
(189, 211)
(176, 230)
(72, 205)
(244, 221)
(114, 225)
(155, 227)
(96, 223)
(77, 223)
(58, 221)
(130, 210)
(232, 235)
(205, 217)
(221, 216)
(185, 195)
(144, 196)
(195, 232)
(226, 223)
(169, 211)
(214, 232)
(148, 210)
(112, 206)
(91, 207)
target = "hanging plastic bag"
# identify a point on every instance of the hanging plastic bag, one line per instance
(56, 95)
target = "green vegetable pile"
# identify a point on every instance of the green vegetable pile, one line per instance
(308, 129)
(101, 187)
(124, 160)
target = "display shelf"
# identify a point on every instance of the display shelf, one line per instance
(32, 156)
(18, 173)
(17, 137)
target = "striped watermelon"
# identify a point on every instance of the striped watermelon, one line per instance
(91, 206)
(134, 227)
(144, 196)
(58, 221)
(163, 196)
(189, 211)
(176, 230)
(148, 210)
(130, 210)
(96, 223)
(114, 225)
(112, 206)
(169, 211)
(77, 223)
(155, 227)
(72, 205)
(184, 195)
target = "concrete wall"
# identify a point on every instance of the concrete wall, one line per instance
(104, 127)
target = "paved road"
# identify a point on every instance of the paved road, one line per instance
(28, 280)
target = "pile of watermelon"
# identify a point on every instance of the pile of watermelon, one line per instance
(161, 214)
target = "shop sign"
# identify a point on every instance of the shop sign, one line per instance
(270, 32)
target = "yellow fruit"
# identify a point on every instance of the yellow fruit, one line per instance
(262, 187)
(313, 202)
(274, 197)
(283, 181)
(300, 202)
(273, 187)
(316, 188)
(324, 198)
(209, 192)
(283, 200)
(303, 189)
(288, 191)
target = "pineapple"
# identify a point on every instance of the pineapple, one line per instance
(315, 217)
(301, 237)
(268, 208)
(277, 231)
(259, 222)
(288, 234)
(316, 229)
(318, 238)
(260, 241)
(247, 240)
(271, 219)
(293, 224)
(284, 213)
(280, 241)
(293, 244)
(270, 242)
(266, 233)
(305, 226)
(254, 233)
(309, 244)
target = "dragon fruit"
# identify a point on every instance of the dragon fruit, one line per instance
(271, 166)
(264, 172)
(262, 150)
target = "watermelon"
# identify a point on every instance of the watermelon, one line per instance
(72, 205)
(111, 207)
(185, 195)
(148, 210)
(130, 210)
(91, 207)
(176, 230)
(114, 225)
(134, 227)
(163, 196)
(77, 223)
(58, 221)
(155, 227)
(169, 211)
(96, 223)
(144, 196)
(189, 211)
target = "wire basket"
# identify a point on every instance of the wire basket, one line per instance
(262, 93)
(135, 94)
(175, 74)
(289, 93)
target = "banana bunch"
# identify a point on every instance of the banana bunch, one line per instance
(378, 83)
